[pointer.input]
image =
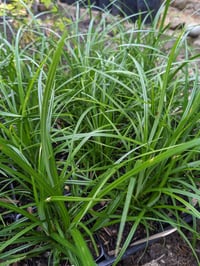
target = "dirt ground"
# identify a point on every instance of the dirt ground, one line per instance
(170, 251)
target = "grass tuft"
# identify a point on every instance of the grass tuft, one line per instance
(99, 127)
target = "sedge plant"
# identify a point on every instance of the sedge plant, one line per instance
(98, 128)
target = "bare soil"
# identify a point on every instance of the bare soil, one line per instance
(170, 251)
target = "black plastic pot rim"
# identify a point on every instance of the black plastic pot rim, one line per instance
(141, 244)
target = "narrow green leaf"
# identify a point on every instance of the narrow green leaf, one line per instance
(18, 235)
(73, 199)
(83, 250)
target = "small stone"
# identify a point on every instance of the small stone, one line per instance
(176, 23)
(197, 43)
(180, 4)
(174, 19)
(193, 30)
